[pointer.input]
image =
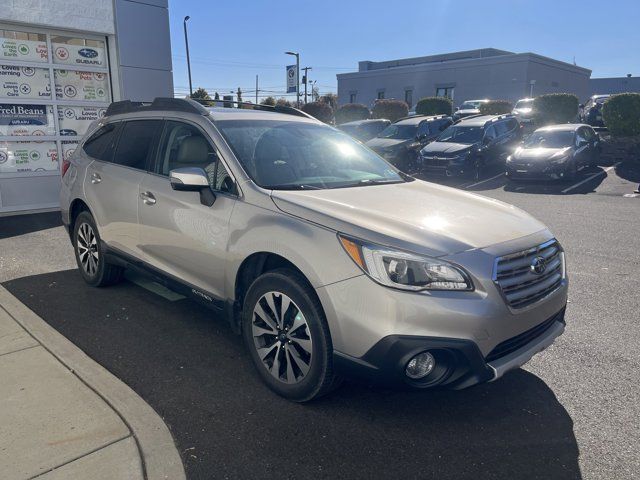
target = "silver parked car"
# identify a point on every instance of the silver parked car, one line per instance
(322, 255)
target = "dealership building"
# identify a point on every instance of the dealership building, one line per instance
(61, 63)
(473, 74)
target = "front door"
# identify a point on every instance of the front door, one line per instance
(178, 234)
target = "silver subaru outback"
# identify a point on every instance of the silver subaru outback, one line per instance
(325, 258)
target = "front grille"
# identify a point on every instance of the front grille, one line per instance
(436, 162)
(508, 346)
(520, 284)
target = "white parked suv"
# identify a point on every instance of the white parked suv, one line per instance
(328, 260)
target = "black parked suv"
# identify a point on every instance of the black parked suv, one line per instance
(466, 147)
(365, 130)
(400, 142)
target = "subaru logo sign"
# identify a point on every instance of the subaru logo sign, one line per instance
(538, 265)
(88, 53)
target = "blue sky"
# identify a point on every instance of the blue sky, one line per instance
(232, 41)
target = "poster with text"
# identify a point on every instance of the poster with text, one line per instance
(24, 82)
(23, 50)
(76, 120)
(28, 157)
(75, 85)
(78, 55)
(25, 119)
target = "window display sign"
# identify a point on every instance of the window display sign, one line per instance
(78, 55)
(28, 157)
(23, 50)
(74, 85)
(25, 119)
(24, 82)
(68, 147)
(76, 120)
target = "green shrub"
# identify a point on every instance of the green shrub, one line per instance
(621, 114)
(352, 112)
(434, 106)
(555, 108)
(496, 107)
(320, 110)
(268, 101)
(390, 109)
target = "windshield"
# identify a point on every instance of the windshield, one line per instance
(524, 103)
(550, 139)
(399, 132)
(469, 105)
(460, 134)
(288, 155)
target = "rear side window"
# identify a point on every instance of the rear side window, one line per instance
(100, 144)
(136, 142)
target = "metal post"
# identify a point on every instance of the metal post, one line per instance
(256, 89)
(186, 42)
(298, 79)
(306, 81)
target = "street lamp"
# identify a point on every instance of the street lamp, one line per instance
(186, 42)
(297, 55)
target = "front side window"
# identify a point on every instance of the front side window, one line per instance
(491, 133)
(423, 129)
(290, 155)
(100, 145)
(136, 142)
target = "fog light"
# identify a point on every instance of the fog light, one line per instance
(420, 366)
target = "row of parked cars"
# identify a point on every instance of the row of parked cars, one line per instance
(443, 146)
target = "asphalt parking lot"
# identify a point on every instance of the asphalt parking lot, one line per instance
(572, 412)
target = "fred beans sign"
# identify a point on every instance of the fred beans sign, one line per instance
(24, 119)
(24, 82)
(74, 85)
(76, 120)
(78, 55)
(18, 157)
(23, 50)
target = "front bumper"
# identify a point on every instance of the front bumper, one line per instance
(534, 171)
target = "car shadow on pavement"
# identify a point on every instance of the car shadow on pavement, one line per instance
(555, 187)
(15, 225)
(629, 170)
(189, 366)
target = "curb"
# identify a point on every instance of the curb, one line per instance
(159, 455)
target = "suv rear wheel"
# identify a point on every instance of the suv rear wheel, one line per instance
(287, 335)
(90, 258)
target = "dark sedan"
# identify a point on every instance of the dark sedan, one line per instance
(365, 130)
(555, 152)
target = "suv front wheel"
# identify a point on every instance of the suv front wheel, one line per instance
(287, 335)
(90, 257)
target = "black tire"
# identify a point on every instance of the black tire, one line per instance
(476, 170)
(571, 172)
(319, 378)
(99, 273)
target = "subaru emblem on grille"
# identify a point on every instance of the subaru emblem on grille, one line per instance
(538, 265)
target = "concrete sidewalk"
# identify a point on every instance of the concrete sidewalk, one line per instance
(63, 416)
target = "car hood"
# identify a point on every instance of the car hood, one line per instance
(445, 147)
(540, 153)
(419, 216)
(383, 143)
(468, 111)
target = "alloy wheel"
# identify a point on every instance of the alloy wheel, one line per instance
(282, 337)
(87, 245)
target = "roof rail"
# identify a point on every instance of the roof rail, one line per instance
(159, 103)
(434, 117)
(255, 106)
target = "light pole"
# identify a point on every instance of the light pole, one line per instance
(305, 78)
(186, 42)
(297, 55)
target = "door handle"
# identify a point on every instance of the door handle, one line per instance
(148, 198)
(95, 178)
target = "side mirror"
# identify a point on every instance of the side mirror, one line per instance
(457, 108)
(192, 179)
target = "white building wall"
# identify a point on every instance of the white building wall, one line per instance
(83, 15)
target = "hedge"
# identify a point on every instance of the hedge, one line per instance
(319, 110)
(390, 109)
(621, 114)
(352, 112)
(555, 108)
(496, 107)
(434, 106)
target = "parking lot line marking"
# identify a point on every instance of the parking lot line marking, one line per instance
(602, 172)
(485, 180)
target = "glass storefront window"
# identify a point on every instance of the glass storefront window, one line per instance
(28, 157)
(68, 147)
(23, 46)
(76, 120)
(78, 51)
(24, 82)
(77, 85)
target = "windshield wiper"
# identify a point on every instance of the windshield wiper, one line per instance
(293, 186)
(372, 181)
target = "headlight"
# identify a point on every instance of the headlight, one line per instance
(403, 270)
(561, 159)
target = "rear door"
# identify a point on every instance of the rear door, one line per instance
(180, 236)
(111, 186)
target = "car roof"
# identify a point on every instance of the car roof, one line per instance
(362, 122)
(415, 119)
(221, 113)
(481, 120)
(561, 127)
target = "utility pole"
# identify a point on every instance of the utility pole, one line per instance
(186, 42)
(256, 89)
(239, 93)
(305, 80)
